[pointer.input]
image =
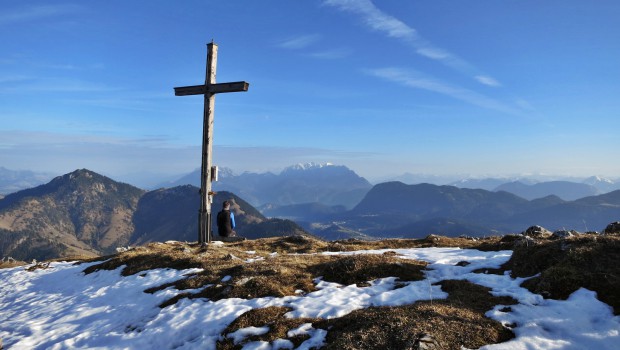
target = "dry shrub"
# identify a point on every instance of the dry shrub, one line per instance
(453, 323)
(362, 268)
(588, 261)
(272, 317)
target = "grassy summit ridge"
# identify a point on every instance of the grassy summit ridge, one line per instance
(288, 266)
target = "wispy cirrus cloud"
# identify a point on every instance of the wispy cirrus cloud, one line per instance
(486, 80)
(375, 18)
(307, 41)
(71, 67)
(332, 54)
(418, 80)
(300, 42)
(380, 21)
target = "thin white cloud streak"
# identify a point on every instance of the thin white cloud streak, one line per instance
(72, 67)
(380, 21)
(300, 42)
(33, 13)
(306, 41)
(332, 54)
(375, 18)
(416, 80)
(487, 81)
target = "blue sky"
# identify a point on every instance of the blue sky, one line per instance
(384, 87)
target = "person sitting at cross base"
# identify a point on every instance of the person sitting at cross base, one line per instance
(226, 221)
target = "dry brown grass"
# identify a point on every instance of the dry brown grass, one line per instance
(361, 268)
(286, 275)
(272, 317)
(452, 323)
(455, 322)
(487, 243)
(12, 263)
(588, 261)
(304, 244)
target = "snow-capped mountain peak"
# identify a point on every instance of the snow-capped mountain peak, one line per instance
(307, 166)
(597, 179)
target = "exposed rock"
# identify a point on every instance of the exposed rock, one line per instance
(230, 257)
(463, 263)
(562, 234)
(537, 232)
(432, 238)
(468, 237)
(525, 241)
(613, 228)
(424, 341)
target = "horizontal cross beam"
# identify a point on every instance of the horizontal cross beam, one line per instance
(213, 88)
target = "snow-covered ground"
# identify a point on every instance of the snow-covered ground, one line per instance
(61, 308)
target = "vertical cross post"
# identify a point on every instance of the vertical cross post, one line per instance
(204, 214)
(209, 89)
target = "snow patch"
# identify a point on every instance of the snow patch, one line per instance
(61, 307)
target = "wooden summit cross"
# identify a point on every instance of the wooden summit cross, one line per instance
(208, 90)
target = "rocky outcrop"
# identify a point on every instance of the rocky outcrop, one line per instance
(612, 229)
(537, 232)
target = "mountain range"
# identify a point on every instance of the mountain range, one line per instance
(333, 185)
(395, 209)
(564, 189)
(303, 183)
(84, 213)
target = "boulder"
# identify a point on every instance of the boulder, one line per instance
(425, 342)
(612, 229)
(562, 234)
(525, 241)
(537, 232)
